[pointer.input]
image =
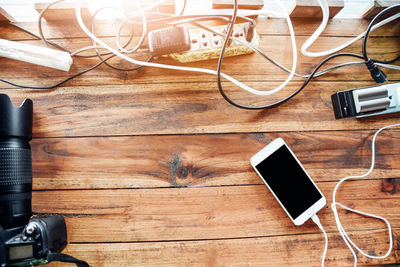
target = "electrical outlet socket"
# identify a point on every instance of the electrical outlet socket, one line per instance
(206, 45)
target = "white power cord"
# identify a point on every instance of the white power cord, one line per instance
(201, 70)
(342, 232)
(315, 219)
(322, 26)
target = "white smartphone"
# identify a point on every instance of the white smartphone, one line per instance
(288, 181)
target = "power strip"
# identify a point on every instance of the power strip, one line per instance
(206, 45)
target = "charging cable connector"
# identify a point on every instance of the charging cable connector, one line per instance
(316, 220)
(350, 244)
(377, 74)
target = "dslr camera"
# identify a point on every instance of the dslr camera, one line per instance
(23, 241)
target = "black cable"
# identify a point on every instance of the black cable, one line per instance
(221, 57)
(38, 37)
(221, 90)
(387, 61)
(219, 61)
(56, 256)
(59, 83)
(87, 70)
(377, 74)
(54, 44)
(379, 15)
(43, 38)
(75, 75)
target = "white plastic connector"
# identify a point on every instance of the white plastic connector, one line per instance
(35, 54)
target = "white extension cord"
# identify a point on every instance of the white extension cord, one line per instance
(351, 245)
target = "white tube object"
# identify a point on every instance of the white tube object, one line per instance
(35, 54)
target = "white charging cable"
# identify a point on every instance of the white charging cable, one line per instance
(322, 26)
(334, 205)
(315, 219)
(201, 70)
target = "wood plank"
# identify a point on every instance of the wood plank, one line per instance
(183, 109)
(266, 251)
(244, 68)
(132, 215)
(270, 26)
(378, 6)
(5, 16)
(202, 160)
(311, 8)
(62, 11)
(243, 4)
(140, 182)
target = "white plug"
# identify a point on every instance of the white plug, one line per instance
(36, 54)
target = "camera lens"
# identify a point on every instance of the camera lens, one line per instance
(15, 162)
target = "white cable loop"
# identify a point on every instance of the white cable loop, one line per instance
(351, 245)
(322, 26)
(143, 36)
(201, 70)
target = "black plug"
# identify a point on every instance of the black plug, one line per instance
(376, 73)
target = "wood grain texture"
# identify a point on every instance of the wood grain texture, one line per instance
(132, 215)
(151, 167)
(246, 68)
(263, 251)
(5, 16)
(243, 4)
(270, 26)
(145, 109)
(202, 160)
(312, 9)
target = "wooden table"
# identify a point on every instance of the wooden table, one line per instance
(151, 167)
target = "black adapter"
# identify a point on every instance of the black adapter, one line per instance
(168, 40)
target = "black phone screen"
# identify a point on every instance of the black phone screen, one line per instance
(287, 179)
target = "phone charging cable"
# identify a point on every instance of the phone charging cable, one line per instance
(339, 225)
(315, 219)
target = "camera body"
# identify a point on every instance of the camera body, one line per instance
(23, 242)
(30, 244)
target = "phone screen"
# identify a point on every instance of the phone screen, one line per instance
(287, 179)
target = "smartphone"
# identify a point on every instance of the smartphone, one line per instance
(288, 181)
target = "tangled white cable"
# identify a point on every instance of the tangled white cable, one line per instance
(334, 205)
(201, 70)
